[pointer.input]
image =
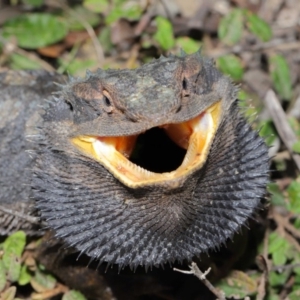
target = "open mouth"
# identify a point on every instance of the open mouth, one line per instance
(162, 155)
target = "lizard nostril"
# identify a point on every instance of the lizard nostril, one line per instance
(185, 92)
(184, 84)
(70, 105)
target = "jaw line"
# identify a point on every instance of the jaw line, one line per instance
(202, 131)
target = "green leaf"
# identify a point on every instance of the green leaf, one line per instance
(21, 62)
(25, 276)
(42, 281)
(187, 44)
(268, 132)
(296, 269)
(248, 109)
(97, 6)
(295, 295)
(294, 197)
(296, 286)
(13, 245)
(237, 285)
(277, 197)
(278, 278)
(272, 295)
(130, 10)
(258, 26)
(79, 67)
(231, 65)
(297, 223)
(164, 33)
(280, 165)
(34, 3)
(2, 276)
(35, 30)
(296, 147)
(13, 248)
(231, 27)
(9, 294)
(73, 295)
(279, 248)
(75, 24)
(105, 40)
(295, 124)
(281, 77)
(14, 269)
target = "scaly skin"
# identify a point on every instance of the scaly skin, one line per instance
(148, 223)
(22, 95)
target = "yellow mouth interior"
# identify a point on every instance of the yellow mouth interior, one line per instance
(195, 136)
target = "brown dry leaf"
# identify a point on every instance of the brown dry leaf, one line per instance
(53, 51)
(122, 33)
(47, 294)
(251, 5)
(75, 37)
(9, 294)
(258, 81)
(269, 9)
(188, 8)
(289, 16)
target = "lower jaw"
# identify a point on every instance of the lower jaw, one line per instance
(113, 153)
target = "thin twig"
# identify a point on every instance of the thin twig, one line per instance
(14, 213)
(282, 232)
(194, 270)
(11, 47)
(286, 224)
(166, 9)
(287, 287)
(281, 123)
(285, 267)
(59, 289)
(278, 44)
(295, 110)
(88, 28)
(262, 263)
(145, 19)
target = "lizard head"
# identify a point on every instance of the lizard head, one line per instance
(151, 165)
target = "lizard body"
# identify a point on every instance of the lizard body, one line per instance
(98, 187)
(22, 96)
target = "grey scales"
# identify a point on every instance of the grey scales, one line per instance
(130, 167)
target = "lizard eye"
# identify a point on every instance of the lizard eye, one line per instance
(107, 102)
(106, 98)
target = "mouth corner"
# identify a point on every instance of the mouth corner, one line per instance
(165, 155)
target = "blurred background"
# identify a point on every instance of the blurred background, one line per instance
(256, 43)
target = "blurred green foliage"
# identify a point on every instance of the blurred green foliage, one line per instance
(164, 33)
(37, 30)
(14, 271)
(34, 30)
(231, 65)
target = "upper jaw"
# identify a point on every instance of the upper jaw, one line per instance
(126, 123)
(113, 152)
